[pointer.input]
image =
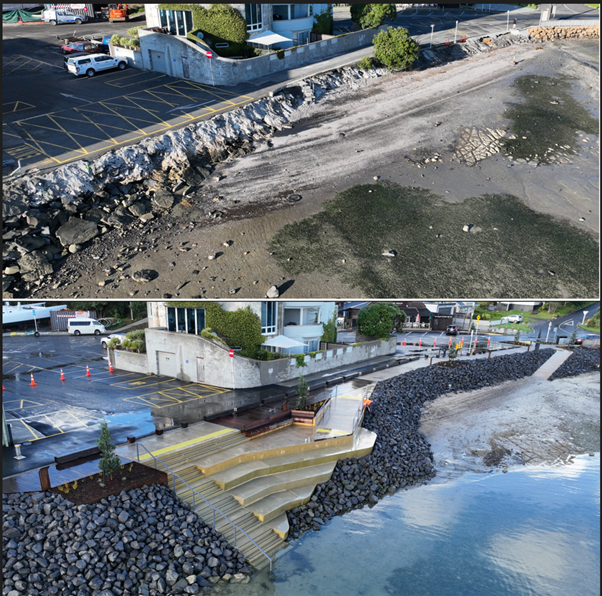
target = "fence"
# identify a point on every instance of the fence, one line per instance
(194, 492)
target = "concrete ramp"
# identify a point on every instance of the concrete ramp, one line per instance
(546, 370)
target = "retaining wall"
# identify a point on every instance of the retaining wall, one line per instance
(133, 57)
(196, 359)
(556, 31)
(180, 57)
(132, 361)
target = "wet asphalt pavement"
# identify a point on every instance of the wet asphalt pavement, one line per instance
(58, 417)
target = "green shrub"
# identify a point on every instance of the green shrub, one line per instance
(208, 334)
(109, 462)
(330, 330)
(300, 358)
(313, 354)
(239, 328)
(366, 63)
(220, 23)
(267, 355)
(114, 342)
(136, 334)
(395, 49)
(139, 345)
(303, 392)
(380, 319)
(369, 16)
(323, 22)
(126, 344)
(133, 31)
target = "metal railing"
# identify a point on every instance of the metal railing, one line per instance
(194, 492)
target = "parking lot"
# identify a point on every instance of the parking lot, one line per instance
(54, 407)
(81, 117)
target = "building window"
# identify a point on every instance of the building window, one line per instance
(177, 22)
(286, 12)
(300, 38)
(268, 317)
(253, 17)
(313, 345)
(186, 320)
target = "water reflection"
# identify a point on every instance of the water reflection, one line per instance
(532, 531)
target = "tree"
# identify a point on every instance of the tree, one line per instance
(303, 392)
(380, 319)
(370, 16)
(573, 337)
(109, 462)
(395, 49)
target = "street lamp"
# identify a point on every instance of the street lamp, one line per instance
(456, 32)
(432, 29)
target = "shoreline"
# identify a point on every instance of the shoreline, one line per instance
(353, 144)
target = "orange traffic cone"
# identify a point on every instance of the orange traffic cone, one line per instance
(62, 375)
(404, 341)
(33, 383)
(488, 341)
(110, 367)
(88, 371)
(420, 342)
(449, 344)
(435, 344)
(3, 387)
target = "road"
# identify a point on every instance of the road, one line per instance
(79, 118)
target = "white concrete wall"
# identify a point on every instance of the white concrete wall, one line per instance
(133, 57)
(228, 72)
(131, 361)
(220, 370)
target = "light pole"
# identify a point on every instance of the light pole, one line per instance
(432, 30)
(548, 333)
(456, 32)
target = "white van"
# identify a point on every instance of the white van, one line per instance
(85, 327)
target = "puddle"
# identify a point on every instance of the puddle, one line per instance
(517, 252)
(547, 121)
(43, 355)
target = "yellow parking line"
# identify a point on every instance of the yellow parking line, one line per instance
(68, 134)
(53, 424)
(29, 429)
(160, 100)
(5, 64)
(141, 382)
(115, 84)
(189, 443)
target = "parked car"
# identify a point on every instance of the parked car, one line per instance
(71, 56)
(84, 47)
(104, 342)
(451, 330)
(77, 326)
(579, 340)
(54, 17)
(93, 63)
(514, 318)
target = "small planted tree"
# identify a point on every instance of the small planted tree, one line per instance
(109, 462)
(452, 352)
(303, 392)
(380, 319)
(517, 336)
(395, 49)
(573, 337)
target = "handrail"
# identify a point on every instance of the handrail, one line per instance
(156, 459)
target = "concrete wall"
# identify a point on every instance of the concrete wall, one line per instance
(201, 360)
(228, 72)
(134, 58)
(131, 361)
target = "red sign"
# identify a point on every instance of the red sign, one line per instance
(209, 54)
(231, 352)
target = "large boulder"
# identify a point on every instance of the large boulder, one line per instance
(34, 266)
(77, 231)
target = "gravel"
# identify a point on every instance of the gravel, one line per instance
(401, 456)
(137, 543)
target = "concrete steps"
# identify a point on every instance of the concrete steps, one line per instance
(239, 473)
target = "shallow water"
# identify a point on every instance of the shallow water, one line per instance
(533, 531)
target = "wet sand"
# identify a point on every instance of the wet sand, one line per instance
(385, 129)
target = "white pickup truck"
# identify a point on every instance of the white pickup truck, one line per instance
(54, 17)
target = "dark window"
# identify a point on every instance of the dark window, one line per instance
(200, 320)
(190, 320)
(171, 318)
(181, 319)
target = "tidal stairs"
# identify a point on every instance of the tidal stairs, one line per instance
(255, 487)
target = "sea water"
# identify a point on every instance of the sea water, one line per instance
(534, 530)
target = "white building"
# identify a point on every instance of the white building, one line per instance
(293, 22)
(302, 322)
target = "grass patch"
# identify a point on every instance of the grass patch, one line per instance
(511, 257)
(590, 329)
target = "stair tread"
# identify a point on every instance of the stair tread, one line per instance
(277, 503)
